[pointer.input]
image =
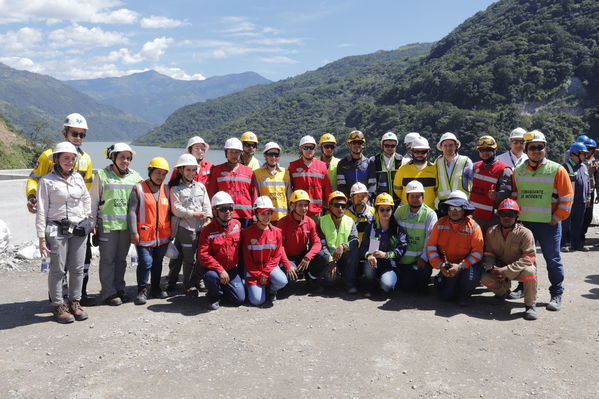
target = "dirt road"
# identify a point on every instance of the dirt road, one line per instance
(304, 346)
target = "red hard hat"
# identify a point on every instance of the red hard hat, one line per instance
(508, 204)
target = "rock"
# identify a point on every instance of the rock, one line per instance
(28, 252)
(4, 236)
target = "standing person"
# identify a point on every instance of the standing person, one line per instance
(360, 210)
(327, 148)
(417, 219)
(191, 211)
(579, 177)
(250, 145)
(262, 246)
(515, 156)
(150, 224)
(74, 131)
(382, 167)
(383, 245)
(491, 184)
(273, 181)
(63, 205)
(591, 162)
(310, 175)
(110, 194)
(419, 169)
(510, 255)
(197, 147)
(407, 142)
(455, 248)
(354, 167)
(536, 182)
(237, 180)
(454, 171)
(218, 251)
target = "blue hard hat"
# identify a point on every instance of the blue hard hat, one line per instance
(577, 147)
(582, 138)
(590, 143)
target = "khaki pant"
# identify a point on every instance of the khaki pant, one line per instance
(67, 254)
(186, 242)
(499, 287)
(114, 248)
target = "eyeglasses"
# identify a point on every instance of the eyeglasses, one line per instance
(340, 205)
(272, 154)
(507, 214)
(308, 147)
(328, 146)
(386, 209)
(76, 134)
(225, 209)
(539, 147)
(421, 152)
(485, 149)
(517, 141)
(390, 145)
(455, 208)
(357, 142)
(251, 145)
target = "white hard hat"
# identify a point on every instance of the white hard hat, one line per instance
(233, 144)
(196, 140)
(65, 146)
(448, 136)
(118, 147)
(414, 187)
(270, 145)
(535, 136)
(389, 136)
(186, 160)
(458, 194)
(75, 120)
(221, 198)
(517, 133)
(358, 188)
(307, 140)
(263, 202)
(420, 142)
(410, 137)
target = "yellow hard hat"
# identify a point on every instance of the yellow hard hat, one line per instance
(159, 163)
(355, 135)
(327, 138)
(384, 199)
(299, 195)
(249, 137)
(336, 194)
(486, 142)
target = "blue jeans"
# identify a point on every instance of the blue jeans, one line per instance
(150, 261)
(233, 291)
(386, 275)
(412, 278)
(573, 226)
(550, 237)
(461, 286)
(276, 281)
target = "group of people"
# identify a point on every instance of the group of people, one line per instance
(246, 228)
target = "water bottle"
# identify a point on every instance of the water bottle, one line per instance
(45, 264)
(134, 261)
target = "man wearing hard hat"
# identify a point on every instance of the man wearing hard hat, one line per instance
(454, 171)
(383, 166)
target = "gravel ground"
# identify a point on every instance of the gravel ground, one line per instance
(316, 346)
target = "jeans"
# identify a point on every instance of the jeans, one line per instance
(386, 275)
(550, 237)
(276, 281)
(461, 286)
(413, 278)
(150, 261)
(347, 266)
(233, 291)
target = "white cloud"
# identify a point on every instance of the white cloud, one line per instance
(275, 41)
(178, 73)
(278, 59)
(83, 38)
(120, 16)
(151, 51)
(21, 63)
(343, 45)
(155, 22)
(21, 40)
(52, 11)
(237, 25)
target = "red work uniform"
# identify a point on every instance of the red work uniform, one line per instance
(218, 247)
(298, 235)
(313, 179)
(262, 251)
(203, 173)
(240, 184)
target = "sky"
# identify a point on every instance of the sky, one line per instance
(196, 39)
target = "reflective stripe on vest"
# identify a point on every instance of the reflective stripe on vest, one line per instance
(275, 187)
(234, 178)
(260, 247)
(415, 230)
(448, 184)
(535, 190)
(153, 222)
(115, 198)
(335, 237)
(485, 180)
(308, 174)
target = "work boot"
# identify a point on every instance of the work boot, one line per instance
(87, 300)
(124, 297)
(77, 311)
(62, 315)
(142, 297)
(113, 300)
(530, 313)
(555, 303)
(517, 293)
(158, 293)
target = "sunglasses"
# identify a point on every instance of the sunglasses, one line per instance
(251, 145)
(421, 152)
(539, 147)
(340, 205)
(225, 209)
(508, 214)
(388, 209)
(518, 141)
(328, 147)
(486, 149)
(390, 145)
(272, 154)
(455, 208)
(357, 142)
(80, 135)
(308, 147)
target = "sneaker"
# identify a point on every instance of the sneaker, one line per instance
(113, 300)
(142, 297)
(77, 311)
(214, 305)
(555, 303)
(87, 300)
(530, 313)
(62, 315)
(517, 293)
(158, 293)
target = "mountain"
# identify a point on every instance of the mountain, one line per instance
(153, 96)
(16, 151)
(310, 103)
(31, 102)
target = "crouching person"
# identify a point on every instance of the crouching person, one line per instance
(455, 247)
(510, 255)
(383, 244)
(218, 252)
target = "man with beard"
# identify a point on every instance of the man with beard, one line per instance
(419, 169)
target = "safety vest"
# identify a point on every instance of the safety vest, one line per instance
(312, 180)
(275, 187)
(153, 219)
(362, 220)
(115, 198)
(415, 230)
(253, 163)
(535, 190)
(384, 177)
(239, 185)
(427, 176)
(334, 236)
(485, 180)
(447, 184)
(332, 168)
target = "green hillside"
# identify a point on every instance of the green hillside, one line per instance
(16, 152)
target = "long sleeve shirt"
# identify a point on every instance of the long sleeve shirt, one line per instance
(352, 241)
(393, 241)
(515, 251)
(455, 243)
(262, 251)
(300, 237)
(186, 199)
(218, 245)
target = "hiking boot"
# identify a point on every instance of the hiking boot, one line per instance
(124, 297)
(214, 305)
(530, 313)
(62, 315)
(158, 293)
(87, 300)
(142, 297)
(555, 303)
(77, 311)
(113, 300)
(517, 293)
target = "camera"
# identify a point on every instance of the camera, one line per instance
(66, 228)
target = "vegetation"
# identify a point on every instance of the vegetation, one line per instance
(16, 152)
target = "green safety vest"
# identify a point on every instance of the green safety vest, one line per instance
(334, 236)
(115, 198)
(415, 230)
(447, 184)
(535, 190)
(332, 170)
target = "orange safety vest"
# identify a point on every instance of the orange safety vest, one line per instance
(153, 218)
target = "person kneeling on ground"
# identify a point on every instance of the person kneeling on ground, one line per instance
(383, 244)
(262, 246)
(510, 255)
(455, 247)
